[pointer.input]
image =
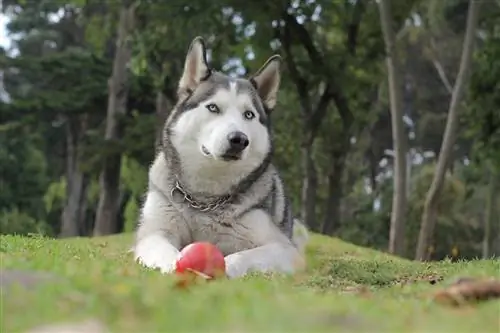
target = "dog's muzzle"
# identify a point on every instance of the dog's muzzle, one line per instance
(238, 141)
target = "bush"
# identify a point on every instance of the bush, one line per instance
(20, 223)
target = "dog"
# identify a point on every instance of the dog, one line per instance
(213, 179)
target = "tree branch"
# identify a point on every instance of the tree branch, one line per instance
(314, 120)
(342, 107)
(306, 40)
(300, 82)
(332, 90)
(353, 27)
(442, 75)
(439, 68)
(441, 71)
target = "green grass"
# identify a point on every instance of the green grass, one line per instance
(101, 281)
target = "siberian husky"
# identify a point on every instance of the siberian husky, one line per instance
(213, 179)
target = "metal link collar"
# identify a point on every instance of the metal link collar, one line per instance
(204, 207)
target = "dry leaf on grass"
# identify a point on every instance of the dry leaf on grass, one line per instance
(358, 290)
(468, 290)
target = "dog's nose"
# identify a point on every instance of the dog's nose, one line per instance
(237, 141)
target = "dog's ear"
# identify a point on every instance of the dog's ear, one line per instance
(267, 81)
(195, 68)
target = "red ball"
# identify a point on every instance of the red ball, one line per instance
(201, 257)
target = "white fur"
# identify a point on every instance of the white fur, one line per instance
(201, 127)
(275, 253)
(155, 251)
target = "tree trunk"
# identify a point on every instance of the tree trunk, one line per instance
(431, 201)
(496, 229)
(162, 111)
(373, 168)
(107, 208)
(331, 221)
(489, 215)
(397, 228)
(73, 214)
(309, 188)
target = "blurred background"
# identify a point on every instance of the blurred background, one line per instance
(85, 86)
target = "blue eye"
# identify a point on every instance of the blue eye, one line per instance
(249, 115)
(212, 108)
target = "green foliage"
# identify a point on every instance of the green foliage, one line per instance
(134, 176)
(62, 84)
(458, 230)
(287, 134)
(483, 117)
(161, 42)
(55, 195)
(23, 170)
(16, 222)
(134, 180)
(131, 215)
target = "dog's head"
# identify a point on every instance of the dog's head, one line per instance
(221, 123)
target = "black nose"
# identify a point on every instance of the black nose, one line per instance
(237, 141)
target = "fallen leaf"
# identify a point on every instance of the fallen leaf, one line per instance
(468, 290)
(358, 290)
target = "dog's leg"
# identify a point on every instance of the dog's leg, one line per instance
(159, 234)
(156, 251)
(274, 257)
(274, 253)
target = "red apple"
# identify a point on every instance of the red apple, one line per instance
(203, 259)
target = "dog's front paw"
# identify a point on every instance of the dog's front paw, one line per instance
(275, 257)
(235, 267)
(156, 252)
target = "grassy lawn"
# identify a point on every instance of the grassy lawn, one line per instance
(345, 289)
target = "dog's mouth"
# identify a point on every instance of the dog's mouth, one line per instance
(205, 151)
(231, 157)
(228, 156)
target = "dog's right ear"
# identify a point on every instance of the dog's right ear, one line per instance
(267, 81)
(195, 68)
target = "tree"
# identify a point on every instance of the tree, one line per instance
(118, 91)
(490, 212)
(51, 94)
(484, 120)
(316, 80)
(430, 208)
(396, 237)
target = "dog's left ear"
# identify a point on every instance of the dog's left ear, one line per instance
(267, 81)
(195, 67)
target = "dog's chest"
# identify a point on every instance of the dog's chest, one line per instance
(221, 230)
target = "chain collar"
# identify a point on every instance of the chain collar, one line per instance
(204, 207)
